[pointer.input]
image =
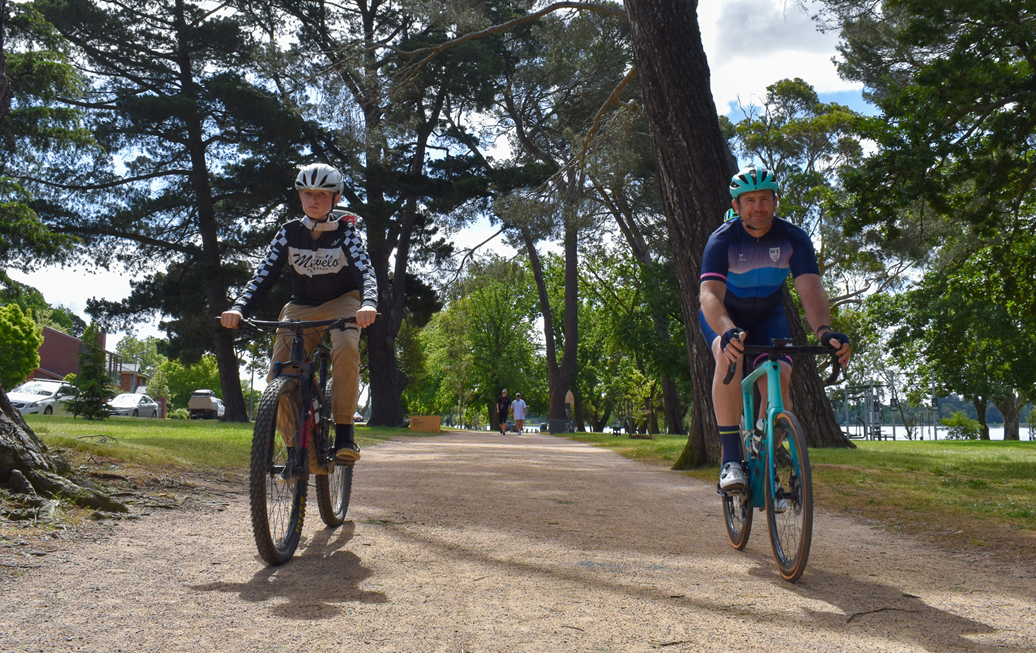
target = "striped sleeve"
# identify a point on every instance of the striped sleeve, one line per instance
(358, 256)
(265, 275)
(715, 263)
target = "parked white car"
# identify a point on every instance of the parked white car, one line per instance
(43, 397)
(134, 405)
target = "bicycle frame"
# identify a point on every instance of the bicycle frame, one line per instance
(311, 375)
(753, 447)
(755, 443)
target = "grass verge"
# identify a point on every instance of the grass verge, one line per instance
(197, 444)
(964, 494)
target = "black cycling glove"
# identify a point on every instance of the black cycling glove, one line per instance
(828, 336)
(728, 335)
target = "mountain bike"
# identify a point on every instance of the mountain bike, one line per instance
(294, 437)
(776, 465)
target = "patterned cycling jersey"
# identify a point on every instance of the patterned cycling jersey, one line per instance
(755, 269)
(325, 265)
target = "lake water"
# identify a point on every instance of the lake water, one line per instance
(995, 433)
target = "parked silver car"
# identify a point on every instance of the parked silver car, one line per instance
(134, 405)
(43, 397)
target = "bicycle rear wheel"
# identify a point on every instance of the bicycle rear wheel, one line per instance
(737, 513)
(277, 482)
(789, 510)
(334, 489)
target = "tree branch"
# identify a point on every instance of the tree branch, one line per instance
(495, 29)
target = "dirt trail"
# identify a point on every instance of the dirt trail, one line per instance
(477, 542)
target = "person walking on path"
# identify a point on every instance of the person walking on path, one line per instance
(503, 407)
(518, 408)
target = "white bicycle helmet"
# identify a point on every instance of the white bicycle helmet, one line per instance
(319, 176)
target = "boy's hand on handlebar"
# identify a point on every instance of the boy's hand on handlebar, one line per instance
(730, 344)
(365, 316)
(838, 342)
(230, 319)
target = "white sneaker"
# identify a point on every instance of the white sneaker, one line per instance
(732, 477)
(780, 506)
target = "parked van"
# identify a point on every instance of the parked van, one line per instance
(204, 404)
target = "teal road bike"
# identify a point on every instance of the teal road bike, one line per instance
(776, 465)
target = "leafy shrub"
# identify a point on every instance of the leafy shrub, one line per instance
(961, 427)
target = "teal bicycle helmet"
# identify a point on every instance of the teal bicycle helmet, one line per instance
(753, 178)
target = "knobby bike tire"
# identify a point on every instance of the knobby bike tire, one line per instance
(277, 485)
(334, 489)
(737, 511)
(791, 531)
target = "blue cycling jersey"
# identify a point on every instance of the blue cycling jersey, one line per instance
(754, 269)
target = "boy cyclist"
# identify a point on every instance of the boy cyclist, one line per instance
(331, 277)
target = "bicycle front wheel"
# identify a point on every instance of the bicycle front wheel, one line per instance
(334, 489)
(789, 508)
(277, 481)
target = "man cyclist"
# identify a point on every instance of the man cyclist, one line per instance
(744, 267)
(331, 277)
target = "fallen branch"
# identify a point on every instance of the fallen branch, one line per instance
(860, 614)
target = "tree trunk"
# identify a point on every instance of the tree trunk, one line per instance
(673, 407)
(388, 384)
(1011, 406)
(694, 169)
(27, 468)
(208, 227)
(559, 376)
(980, 409)
(809, 399)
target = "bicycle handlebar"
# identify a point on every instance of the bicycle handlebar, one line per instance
(255, 327)
(783, 348)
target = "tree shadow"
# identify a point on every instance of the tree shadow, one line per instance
(879, 610)
(314, 583)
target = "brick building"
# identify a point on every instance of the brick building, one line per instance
(59, 357)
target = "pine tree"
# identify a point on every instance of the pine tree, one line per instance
(95, 387)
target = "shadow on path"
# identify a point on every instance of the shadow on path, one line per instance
(313, 584)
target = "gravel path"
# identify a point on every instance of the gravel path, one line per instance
(477, 542)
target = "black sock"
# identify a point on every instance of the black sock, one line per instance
(730, 437)
(343, 435)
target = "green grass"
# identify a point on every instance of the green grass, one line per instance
(935, 480)
(661, 449)
(205, 444)
(977, 493)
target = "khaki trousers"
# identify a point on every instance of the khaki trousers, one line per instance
(345, 352)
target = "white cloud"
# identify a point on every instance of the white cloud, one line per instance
(752, 44)
(72, 286)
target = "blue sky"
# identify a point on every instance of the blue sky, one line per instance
(782, 43)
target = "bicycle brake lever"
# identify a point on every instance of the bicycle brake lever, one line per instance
(730, 373)
(831, 380)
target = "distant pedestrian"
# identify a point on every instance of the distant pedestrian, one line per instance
(518, 407)
(503, 407)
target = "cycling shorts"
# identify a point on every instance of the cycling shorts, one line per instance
(762, 328)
